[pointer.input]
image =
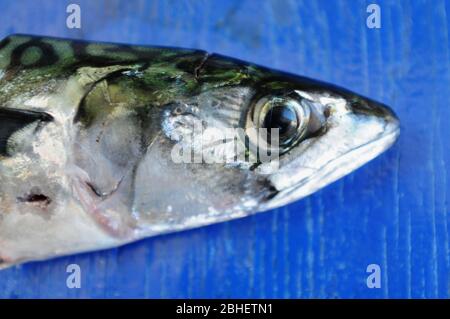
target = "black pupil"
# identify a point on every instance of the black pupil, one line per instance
(283, 118)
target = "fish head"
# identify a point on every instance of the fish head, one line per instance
(252, 139)
(104, 144)
(335, 132)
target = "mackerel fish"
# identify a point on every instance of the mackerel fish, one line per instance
(104, 144)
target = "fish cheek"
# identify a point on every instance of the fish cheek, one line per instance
(108, 141)
(183, 195)
(107, 151)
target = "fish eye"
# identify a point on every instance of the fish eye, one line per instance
(283, 117)
(286, 114)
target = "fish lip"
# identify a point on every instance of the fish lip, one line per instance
(326, 174)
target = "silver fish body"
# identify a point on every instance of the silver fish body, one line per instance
(104, 144)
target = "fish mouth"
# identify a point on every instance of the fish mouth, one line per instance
(336, 168)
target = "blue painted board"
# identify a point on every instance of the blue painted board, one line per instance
(393, 212)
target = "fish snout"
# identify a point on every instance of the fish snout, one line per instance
(356, 132)
(379, 112)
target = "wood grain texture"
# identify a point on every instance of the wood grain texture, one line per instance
(394, 211)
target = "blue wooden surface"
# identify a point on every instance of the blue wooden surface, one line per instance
(393, 212)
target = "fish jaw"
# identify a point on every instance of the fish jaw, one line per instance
(354, 136)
